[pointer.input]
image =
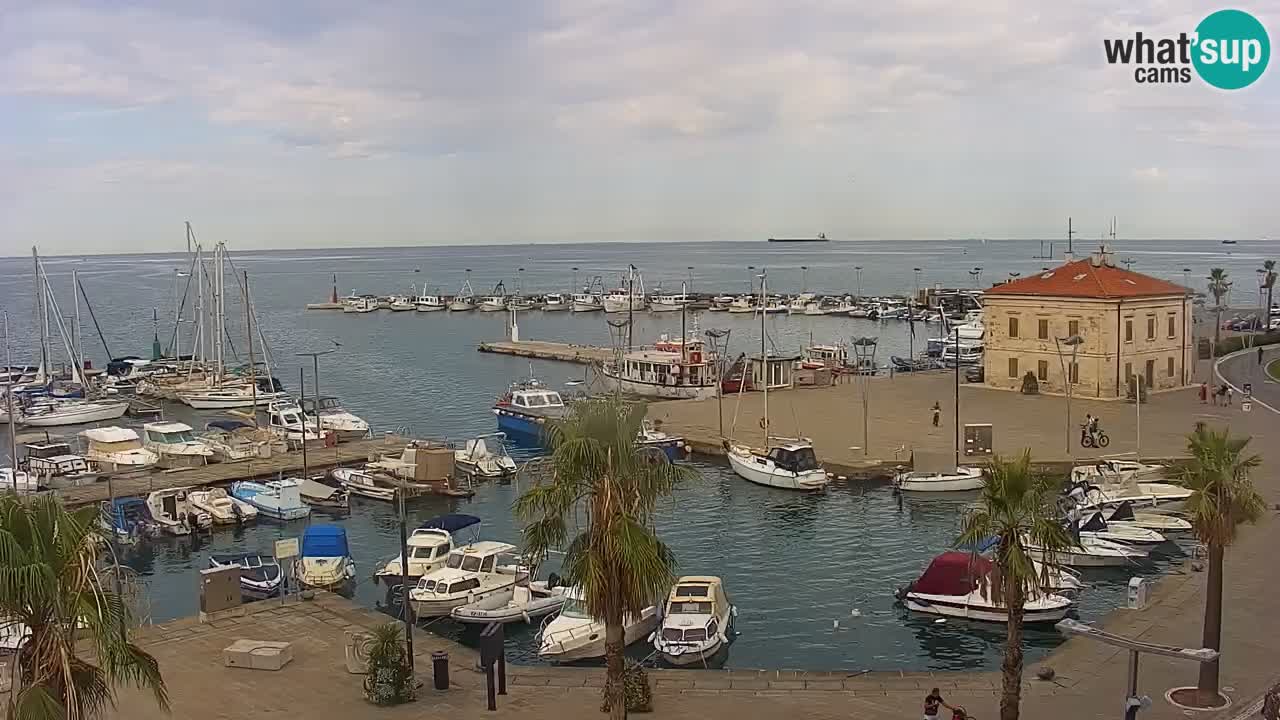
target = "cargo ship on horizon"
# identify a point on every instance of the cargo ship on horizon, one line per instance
(822, 237)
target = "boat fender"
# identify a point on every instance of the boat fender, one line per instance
(524, 615)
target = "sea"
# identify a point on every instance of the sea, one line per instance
(813, 576)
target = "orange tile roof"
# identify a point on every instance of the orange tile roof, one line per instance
(1083, 279)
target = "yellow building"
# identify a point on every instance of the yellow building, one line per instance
(1129, 324)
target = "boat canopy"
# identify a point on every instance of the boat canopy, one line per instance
(325, 541)
(1124, 511)
(1095, 523)
(952, 573)
(451, 522)
(228, 425)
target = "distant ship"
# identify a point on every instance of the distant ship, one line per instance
(822, 237)
(1228, 242)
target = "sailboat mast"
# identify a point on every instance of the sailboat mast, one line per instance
(764, 357)
(42, 311)
(76, 346)
(198, 348)
(8, 399)
(684, 338)
(248, 331)
(220, 305)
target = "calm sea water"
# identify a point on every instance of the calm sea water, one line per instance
(795, 564)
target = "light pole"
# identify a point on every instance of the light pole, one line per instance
(1138, 390)
(575, 280)
(1186, 277)
(519, 282)
(804, 278)
(1074, 342)
(916, 272)
(751, 283)
(857, 269)
(864, 353)
(315, 365)
(973, 274)
(978, 275)
(689, 270)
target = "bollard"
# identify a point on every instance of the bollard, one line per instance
(440, 669)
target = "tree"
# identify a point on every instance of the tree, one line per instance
(1268, 284)
(51, 585)
(1219, 286)
(599, 475)
(1018, 508)
(1222, 497)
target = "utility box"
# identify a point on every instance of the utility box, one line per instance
(257, 654)
(1139, 590)
(219, 589)
(978, 439)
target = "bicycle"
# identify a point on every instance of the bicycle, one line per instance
(1096, 439)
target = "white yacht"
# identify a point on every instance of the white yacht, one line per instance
(575, 635)
(586, 302)
(286, 421)
(58, 412)
(116, 448)
(1124, 514)
(176, 445)
(234, 441)
(697, 622)
(791, 465)
(261, 391)
(485, 458)
(17, 480)
(364, 484)
(172, 511)
(952, 586)
(1091, 552)
(483, 574)
(1137, 494)
(554, 302)
(430, 303)
(221, 507)
(429, 545)
(958, 480)
(1095, 526)
(334, 418)
(325, 562)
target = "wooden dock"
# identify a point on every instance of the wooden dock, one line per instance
(288, 463)
(542, 350)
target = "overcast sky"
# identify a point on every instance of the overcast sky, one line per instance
(339, 123)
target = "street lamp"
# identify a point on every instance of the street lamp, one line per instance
(689, 269)
(804, 278)
(916, 272)
(857, 269)
(751, 283)
(519, 282)
(864, 354)
(1074, 342)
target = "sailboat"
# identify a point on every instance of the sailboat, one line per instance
(791, 464)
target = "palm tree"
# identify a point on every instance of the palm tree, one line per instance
(51, 584)
(601, 477)
(1018, 508)
(1268, 284)
(1222, 497)
(1219, 286)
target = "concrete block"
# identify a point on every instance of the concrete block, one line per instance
(257, 654)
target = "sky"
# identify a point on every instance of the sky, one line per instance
(291, 124)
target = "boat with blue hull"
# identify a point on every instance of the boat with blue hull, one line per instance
(275, 499)
(527, 408)
(260, 575)
(673, 446)
(128, 519)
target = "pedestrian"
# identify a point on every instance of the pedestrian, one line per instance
(1229, 391)
(932, 702)
(937, 413)
(1204, 393)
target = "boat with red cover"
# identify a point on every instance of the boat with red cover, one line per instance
(965, 585)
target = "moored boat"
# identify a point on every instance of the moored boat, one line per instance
(221, 507)
(171, 510)
(275, 499)
(56, 412)
(575, 634)
(529, 602)
(526, 408)
(364, 484)
(175, 444)
(961, 585)
(957, 480)
(474, 575)
(485, 458)
(696, 623)
(260, 574)
(334, 418)
(676, 369)
(116, 448)
(429, 546)
(325, 562)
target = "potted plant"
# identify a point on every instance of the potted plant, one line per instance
(389, 681)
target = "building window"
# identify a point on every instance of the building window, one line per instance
(1151, 370)
(1073, 373)
(1172, 324)
(1151, 328)
(1042, 370)
(1128, 373)
(1013, 367)
(1043, 329)
(1169, 367)
(1013, 327)
(1128, 331)
(1073, 328)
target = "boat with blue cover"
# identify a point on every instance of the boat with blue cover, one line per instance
(526, 409)
(260, 574)
(326, 562)
(276, 499)
(128, 518)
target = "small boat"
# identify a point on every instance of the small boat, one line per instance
(813, 357)
(127, 519)
(171, 510)
(326, 562)
(520, 303)
(262, 391)
(696, 623)
(669, 303)
(260, 575)
(791, 465)
(575, 635)
(531, 601)
(773, 306)
(335, 418)
(1229, 242)
(401, 303)
(473, 574)
(1091, 552)
(1137, 494)
(485, 458)
(1124, 514)
(496, 302)
(1116, 471)
(464, 300)
(319, 495)
(430, 303)
(860, 310)
(1096, 527)
(221, 507)
(961, 585)
(586, 302)
(286, 421)
(673, 446)
(743, 304)
(116, 448)
(429, 545)
(360, 305)
(958, 480)
(364, 484)
(53, 464)
(19, 481)
(175, 444)
(554, 302)
(902, 364)
(236, 440)
(54, 413)
(526, 408)
(275, 499)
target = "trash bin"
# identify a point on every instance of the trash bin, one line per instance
(440, 669)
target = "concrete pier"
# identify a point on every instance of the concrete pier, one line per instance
(542, 350)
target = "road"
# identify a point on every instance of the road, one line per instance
(1243, 368)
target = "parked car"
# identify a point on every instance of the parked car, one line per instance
(974, 374)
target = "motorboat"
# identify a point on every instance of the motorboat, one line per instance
(429, 545)
(259, 391)
(669, 303)
(116, 448)
(236, 440)
(362, 304)
(791, 465)
(962, 354)
(326, 563)
(260, 575)
(957, 480)
(965, 585)
(275, 499)
(176, 445)
(799, 303)
(474, 574)
(1137, 494)
(526, 408)
(696, 623)
(401, 303)
(334, 418)
(19, 481)
(619, 301)
(364, 484)
(171, 510)
(1124, 514)
(673, 446)
(1113, 471)
(1095, 526)
(575, 634)
(464, 300)
(519, 303)
(860, 310)
(54, 413)
(53, 464)
(813, 357)
(1090, 552)
(554, 302)
(430, 303)
(1057, 578)
(495, 302)
(530, 602)
(773, 306)
(286, 421)
(221, 507)
(742, 304)
(586, 302)
(420, 461)
(673, 369)
(485, 458)
(127, 519)
(320, 495)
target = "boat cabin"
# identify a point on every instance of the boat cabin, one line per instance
(53, 459)
(778, 369)
(535, 399)
(168, 433)
(818, 356)
(321, 405)
(464, 567)
(794, 458)
(111, 440)
(697, 595)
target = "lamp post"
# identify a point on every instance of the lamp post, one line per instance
(315, 365)
(916, 272)
(1074, 342)
(689, 270)
(804, 278)
(751, 283)
(857, 269)
(978, 274)
(519, 282)
(575, 280)
(864, 354)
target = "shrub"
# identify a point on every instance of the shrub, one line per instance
(389, 681)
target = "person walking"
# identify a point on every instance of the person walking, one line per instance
(1229, 392)
(937, 413)
(932, 702)
(1204, 393)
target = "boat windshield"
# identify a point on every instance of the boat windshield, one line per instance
(454, 561)
(575, 608)
(173, 438)
(471, 563)
(797, 460)
(691, 608)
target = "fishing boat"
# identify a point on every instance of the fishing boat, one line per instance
(364, 484)
(520, 303)
(286, 421)
(673, 369)
(334, 418)
(176, 445)
(554, 302)
(56, 412)
(464, 300)
(326, 563)
(575, 634)
(814, 357)
(116, 448)
(669, 303)
(696, 623)
(530, 601)
(586, 302)
(964, 585)
(673, 446)
(526, 408)
(1090, 552)
(275, 499)
(956, 480)
(429, 303)
(260, 574)
(772, 306)
(402, 303)
(889, 309)
(171, 510)
(496, 301)
(127, 519)
(321, 496)
(221, 507)
(429, 545)
(259, 391)
(53, 464)
(483, 574)
(360, 305)
(485, 458)
(236, 440)
(742, 304)
(797, 304)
